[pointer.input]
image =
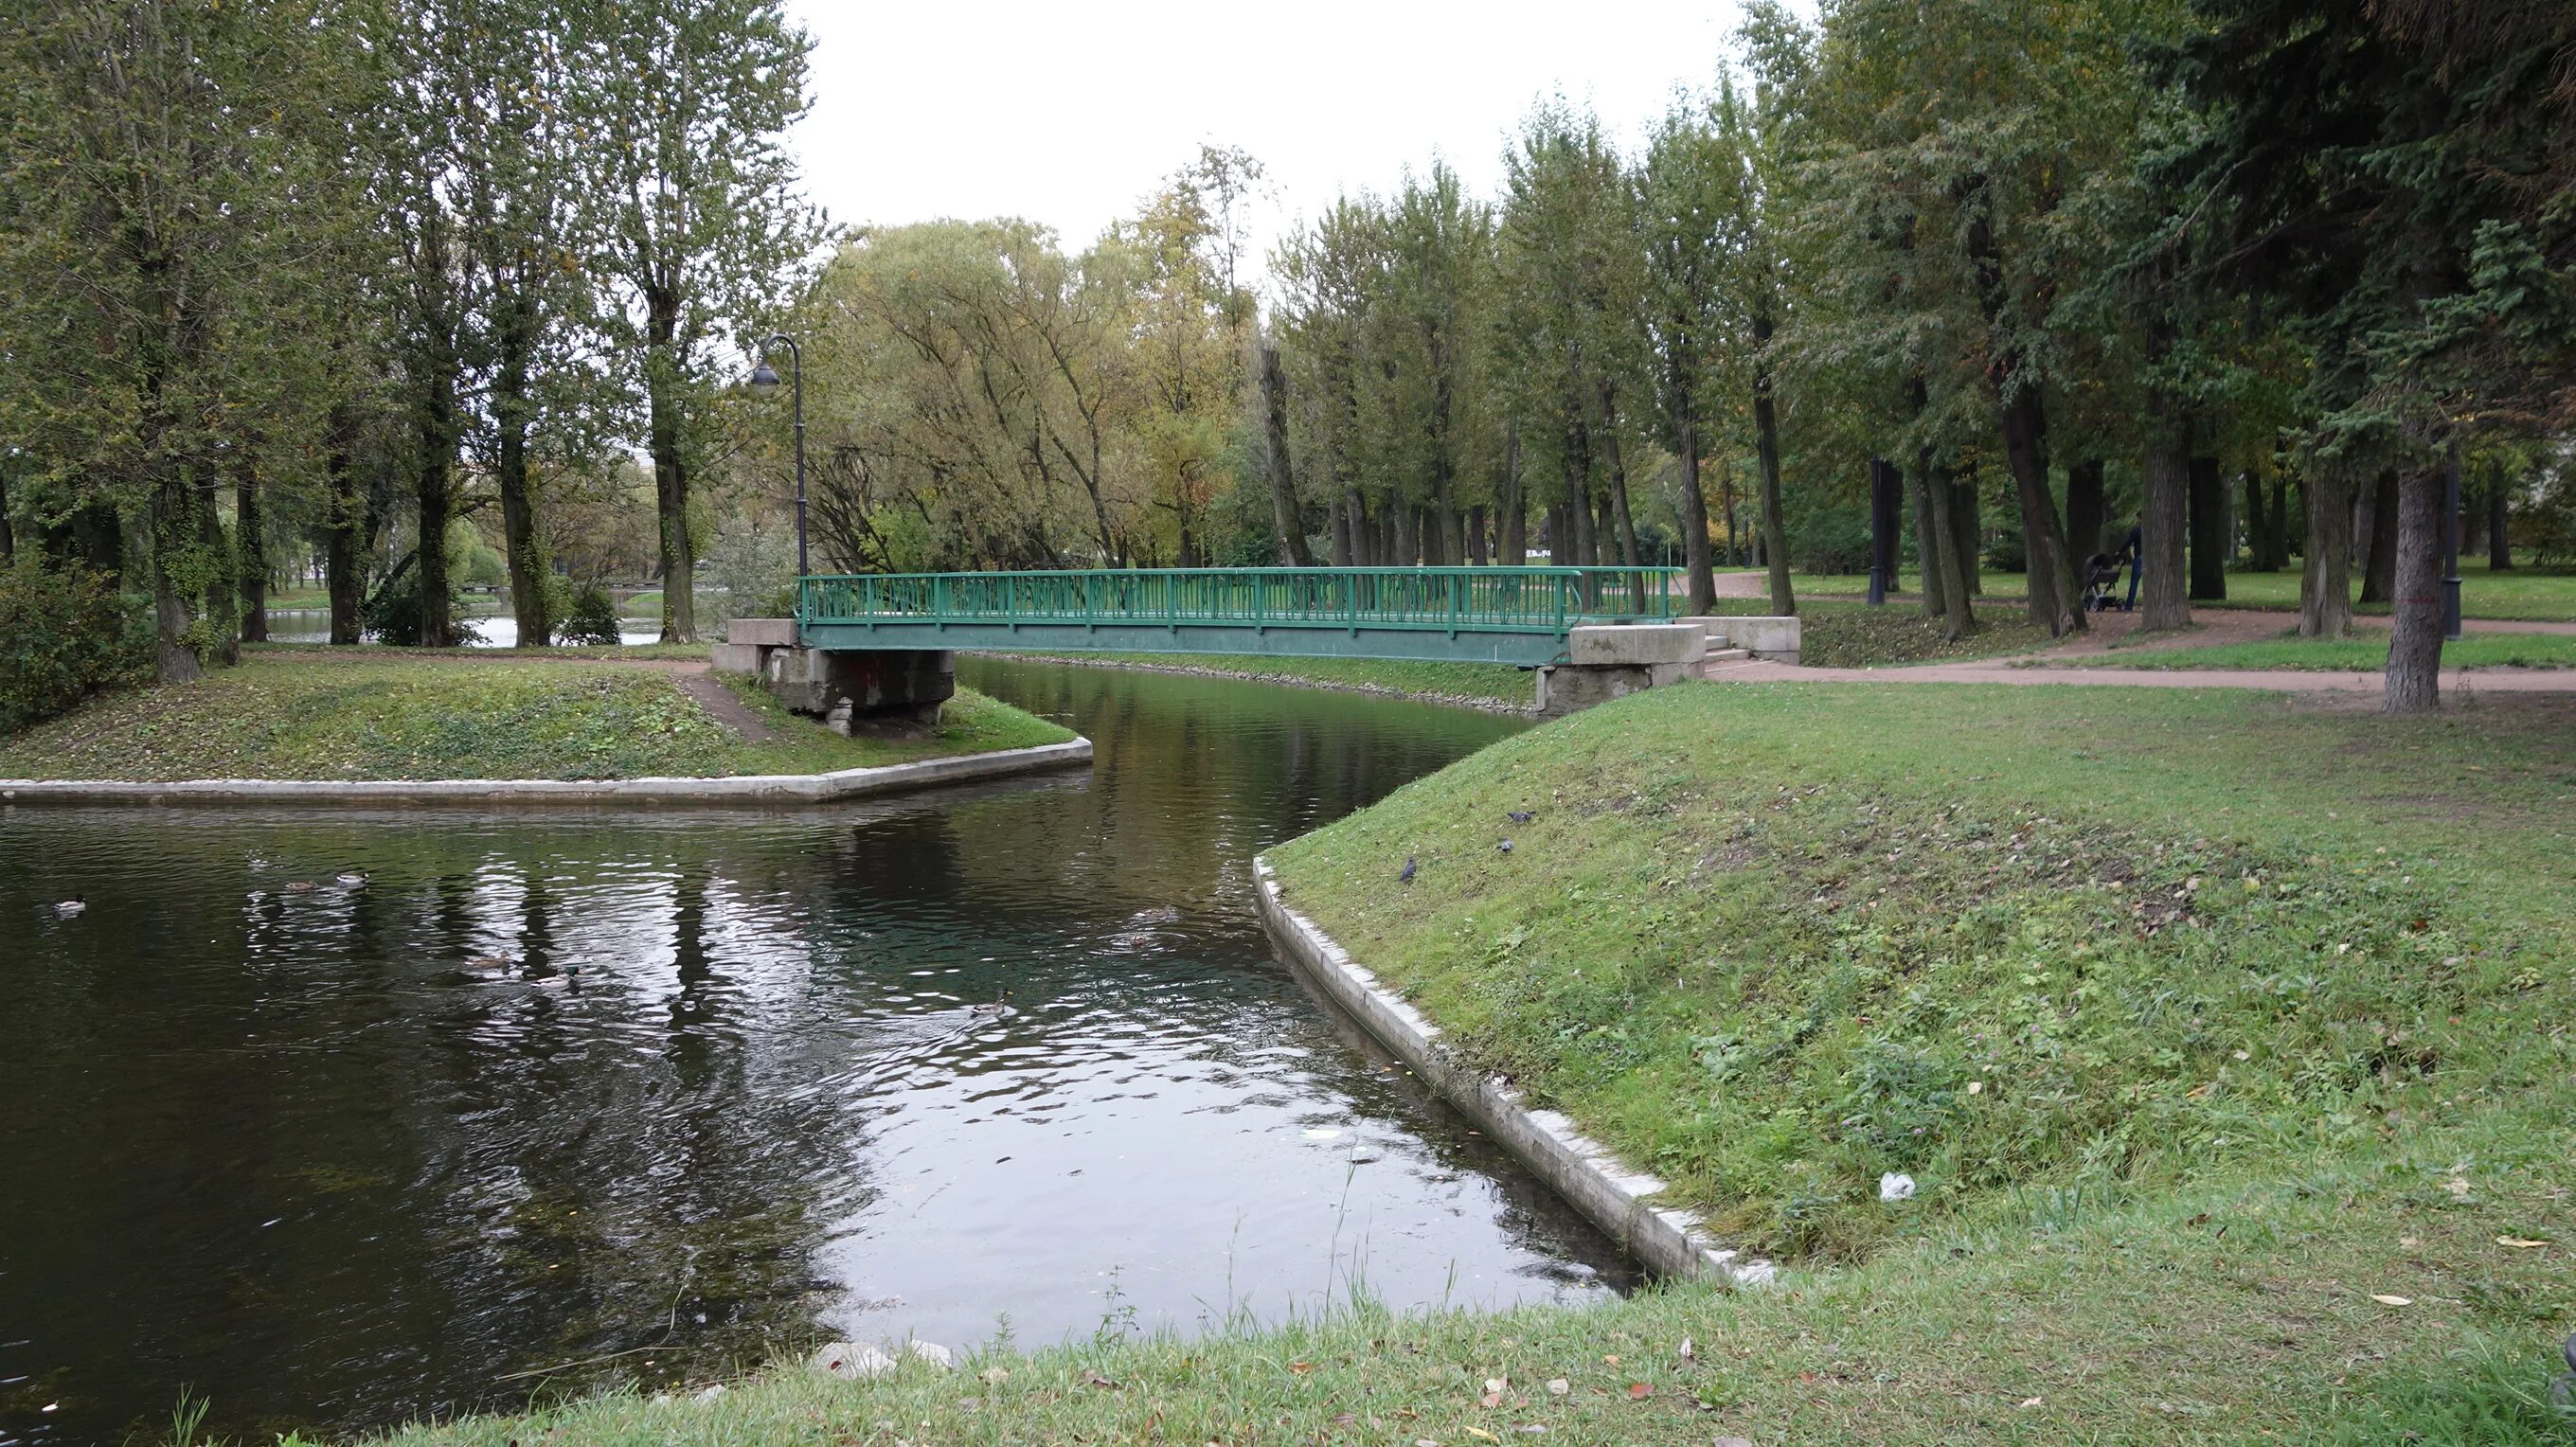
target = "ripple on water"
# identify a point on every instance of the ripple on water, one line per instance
(550, 1086)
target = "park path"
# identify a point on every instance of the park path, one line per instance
(2455, 681)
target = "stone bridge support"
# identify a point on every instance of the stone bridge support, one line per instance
(1613, 660)
(839, 685)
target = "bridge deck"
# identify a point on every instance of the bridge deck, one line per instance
(1494, 615)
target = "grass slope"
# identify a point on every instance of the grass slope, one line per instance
(284, 715)
(2280, 1157)
(2365, 654)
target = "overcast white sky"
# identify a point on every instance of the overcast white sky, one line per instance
(1069, 114)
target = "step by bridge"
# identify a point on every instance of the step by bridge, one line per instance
(1523, 616)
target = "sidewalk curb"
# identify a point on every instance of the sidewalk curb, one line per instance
(748, 788)
(1608, 1193)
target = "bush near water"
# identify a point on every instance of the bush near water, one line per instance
(66, 634)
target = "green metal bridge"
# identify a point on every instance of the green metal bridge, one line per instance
(1466, 615)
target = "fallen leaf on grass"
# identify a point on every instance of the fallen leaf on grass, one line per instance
(1490, 1400)
(2385, 1300)
(2520, 1243)
(1732, 1442)
(1687, 1354)
(1558, 1386)
(1301, 1368)
(2031, 1401)
(1480, 1432)
(1639, 1391)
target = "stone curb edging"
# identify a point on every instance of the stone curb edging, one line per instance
(1669, 1242)
(748, 788)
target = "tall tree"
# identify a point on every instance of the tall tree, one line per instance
(697, 217)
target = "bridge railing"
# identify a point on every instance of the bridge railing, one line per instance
(1518, 600)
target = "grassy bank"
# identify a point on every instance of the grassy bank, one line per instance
(1483, 685)
(2231, 1126)
(1843, 634)
(2366, 654)
(303, 714)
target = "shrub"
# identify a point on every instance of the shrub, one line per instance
(392, 612)
(65, 634)
(592, 617)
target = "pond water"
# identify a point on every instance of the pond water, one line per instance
(701, 1087)
(313, 625)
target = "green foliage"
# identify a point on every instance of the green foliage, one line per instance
(590, 616)
(66, 634)
(391, 613)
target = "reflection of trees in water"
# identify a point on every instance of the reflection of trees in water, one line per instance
(615, 1154)
(1194, 776)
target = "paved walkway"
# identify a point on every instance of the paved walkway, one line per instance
(2454, 680)
(2214, 626)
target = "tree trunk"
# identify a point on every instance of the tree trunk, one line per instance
(223, 639)
(1511, 521)
(1614, 459)
(2499, 541)
(343, 555)
(8, 533)
(1578, 503)
(2379, 576)
(2325, 585)
(437, 463)
(1406, 541)
(2415, 641)
(524, 551)
(1700, 577)
(2048, 569)
(1931, 558)
(2258, 525)
(174, 535)
(1476, 534)
(1285, 516)
(251, 544)
(1883, 502)
(2084, 508)
(2163, 520)
(2208, 505)
(1766, 457)
(678, 552)
(1968, 538)
(1958, 613)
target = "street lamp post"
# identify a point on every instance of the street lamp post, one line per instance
(764, 382)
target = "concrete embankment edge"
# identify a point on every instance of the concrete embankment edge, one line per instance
(745, 789)
(1611, 1196)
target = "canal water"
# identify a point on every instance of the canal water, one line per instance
(685, 1090)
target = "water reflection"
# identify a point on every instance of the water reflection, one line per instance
(694, 1088)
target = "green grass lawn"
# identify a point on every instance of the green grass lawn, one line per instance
(1838, 633)
(2525, 594)
(2367, 653)
(2227, 1037)
(382, 715)
(1492, 685)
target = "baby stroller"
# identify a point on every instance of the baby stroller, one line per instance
(2101, 581)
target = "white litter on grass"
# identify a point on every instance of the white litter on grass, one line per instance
(1318, 1133)
(1895, 1186)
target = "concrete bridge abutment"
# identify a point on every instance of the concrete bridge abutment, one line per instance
(1608, 661)
(839, 685)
